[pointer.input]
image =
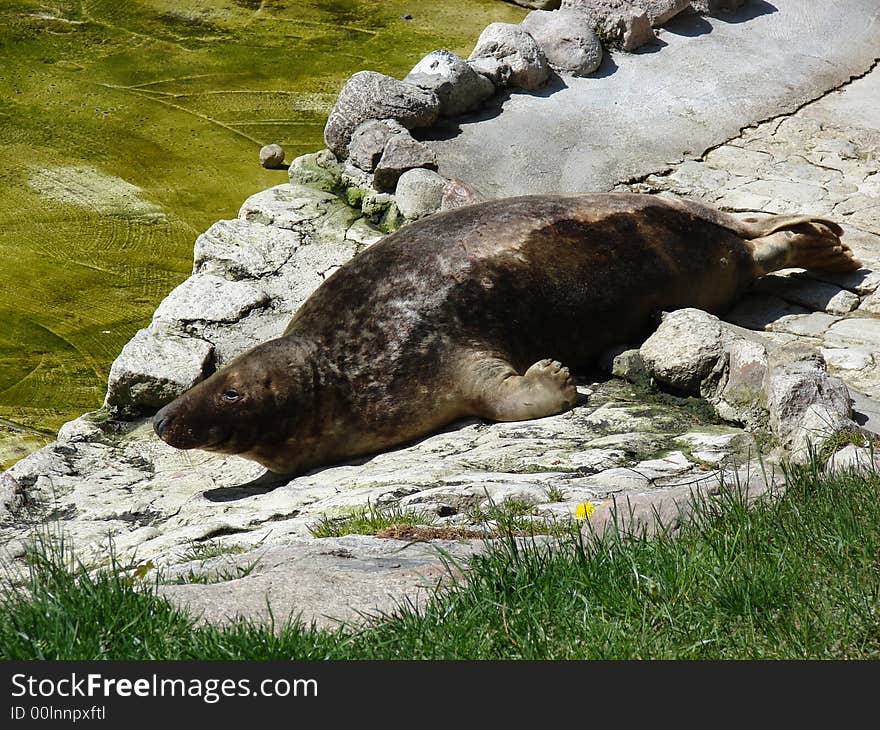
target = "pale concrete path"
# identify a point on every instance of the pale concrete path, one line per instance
(704, 81)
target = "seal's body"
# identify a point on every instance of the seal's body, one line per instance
(469, 312)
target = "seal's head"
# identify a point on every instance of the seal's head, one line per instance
(260, 396)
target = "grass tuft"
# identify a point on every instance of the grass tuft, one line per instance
(367, 520)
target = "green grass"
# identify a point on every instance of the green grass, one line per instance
(367, 520)
(788, 578)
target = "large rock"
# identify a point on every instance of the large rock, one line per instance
(154, 368)
(419, 193)
(402, 153)
(370, 95)
(567, 39)
(684, 349)
(459, 88)
(509, 56)
(368, 142)
(617, 22)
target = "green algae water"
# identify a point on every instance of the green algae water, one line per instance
(127, 128)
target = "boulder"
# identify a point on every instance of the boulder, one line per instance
(419, 193)
(618, 23)
(684, 349)
(567, 39)
(370, 95)
(402, 153)
(509, 56)
(155, 367)
(368, 142)
(459, 88)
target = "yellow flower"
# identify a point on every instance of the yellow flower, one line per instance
(584, 510)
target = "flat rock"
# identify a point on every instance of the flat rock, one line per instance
(808, 293)
(330, 581)
(239, 249)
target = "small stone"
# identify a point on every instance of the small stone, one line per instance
(271, 156)
(854, 457)
(419, 193)
(405, 16)
(509, 56)
(402, 153)
(567, 39)
(370, 95)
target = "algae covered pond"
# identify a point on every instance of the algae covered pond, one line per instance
(127, 128)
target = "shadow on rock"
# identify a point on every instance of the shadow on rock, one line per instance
(261, 485)
(750, 11)
(688, 25)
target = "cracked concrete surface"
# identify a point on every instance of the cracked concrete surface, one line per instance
(699, 85)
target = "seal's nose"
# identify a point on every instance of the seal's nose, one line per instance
(161, 421)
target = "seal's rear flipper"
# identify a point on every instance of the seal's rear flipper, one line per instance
(800, 241)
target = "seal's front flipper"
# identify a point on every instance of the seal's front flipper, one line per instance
(803, 242)
(498, 393)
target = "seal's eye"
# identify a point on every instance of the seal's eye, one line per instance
(230, 396)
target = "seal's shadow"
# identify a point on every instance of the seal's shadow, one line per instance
(269, 481)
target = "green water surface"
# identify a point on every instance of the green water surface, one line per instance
(127, 127)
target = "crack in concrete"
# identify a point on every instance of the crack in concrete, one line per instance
(779, 118)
